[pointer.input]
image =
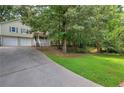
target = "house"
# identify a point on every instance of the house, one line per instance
(14, 33)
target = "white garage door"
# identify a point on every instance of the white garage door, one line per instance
(10, 41)
(25, 42)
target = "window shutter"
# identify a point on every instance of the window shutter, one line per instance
(16, 29)
(10, 29)
(21, 30)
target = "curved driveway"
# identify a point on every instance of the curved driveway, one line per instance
(28, 67)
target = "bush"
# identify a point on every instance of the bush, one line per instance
(111, 50)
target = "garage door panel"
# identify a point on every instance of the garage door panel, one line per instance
(10, 41)
(25, 42)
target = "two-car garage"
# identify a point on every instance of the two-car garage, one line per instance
(17, 41)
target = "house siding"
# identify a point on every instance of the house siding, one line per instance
(5, 29)
(7, 36)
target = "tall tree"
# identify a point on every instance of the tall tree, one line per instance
(86, 25)
(6, 12)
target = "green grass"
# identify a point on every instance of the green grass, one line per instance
(107, 70)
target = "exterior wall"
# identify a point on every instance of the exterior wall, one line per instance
(5, 29)
(8, 38)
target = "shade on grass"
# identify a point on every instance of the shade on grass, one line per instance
(103, 69)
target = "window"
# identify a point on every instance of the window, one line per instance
(28, 31)
(23, 31)
(13, 29)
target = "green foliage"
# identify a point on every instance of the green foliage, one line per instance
(118, 37)
(97, 26)
(7, 12)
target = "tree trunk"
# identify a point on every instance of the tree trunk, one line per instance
(98, 46)
(65, 46)
(74, 45)
(59, 44)
(64, 29)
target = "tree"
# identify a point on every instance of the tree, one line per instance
(76, 25)
(6, 13)
(99, 22)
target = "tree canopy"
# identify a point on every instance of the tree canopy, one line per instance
(100, 26)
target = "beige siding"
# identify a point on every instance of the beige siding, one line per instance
(5, 29)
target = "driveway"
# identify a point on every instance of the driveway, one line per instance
(28, 67)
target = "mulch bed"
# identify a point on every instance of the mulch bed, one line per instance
(58, 52)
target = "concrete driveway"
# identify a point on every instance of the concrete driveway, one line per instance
(28, 67)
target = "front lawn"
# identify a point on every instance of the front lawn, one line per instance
(107, 70)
